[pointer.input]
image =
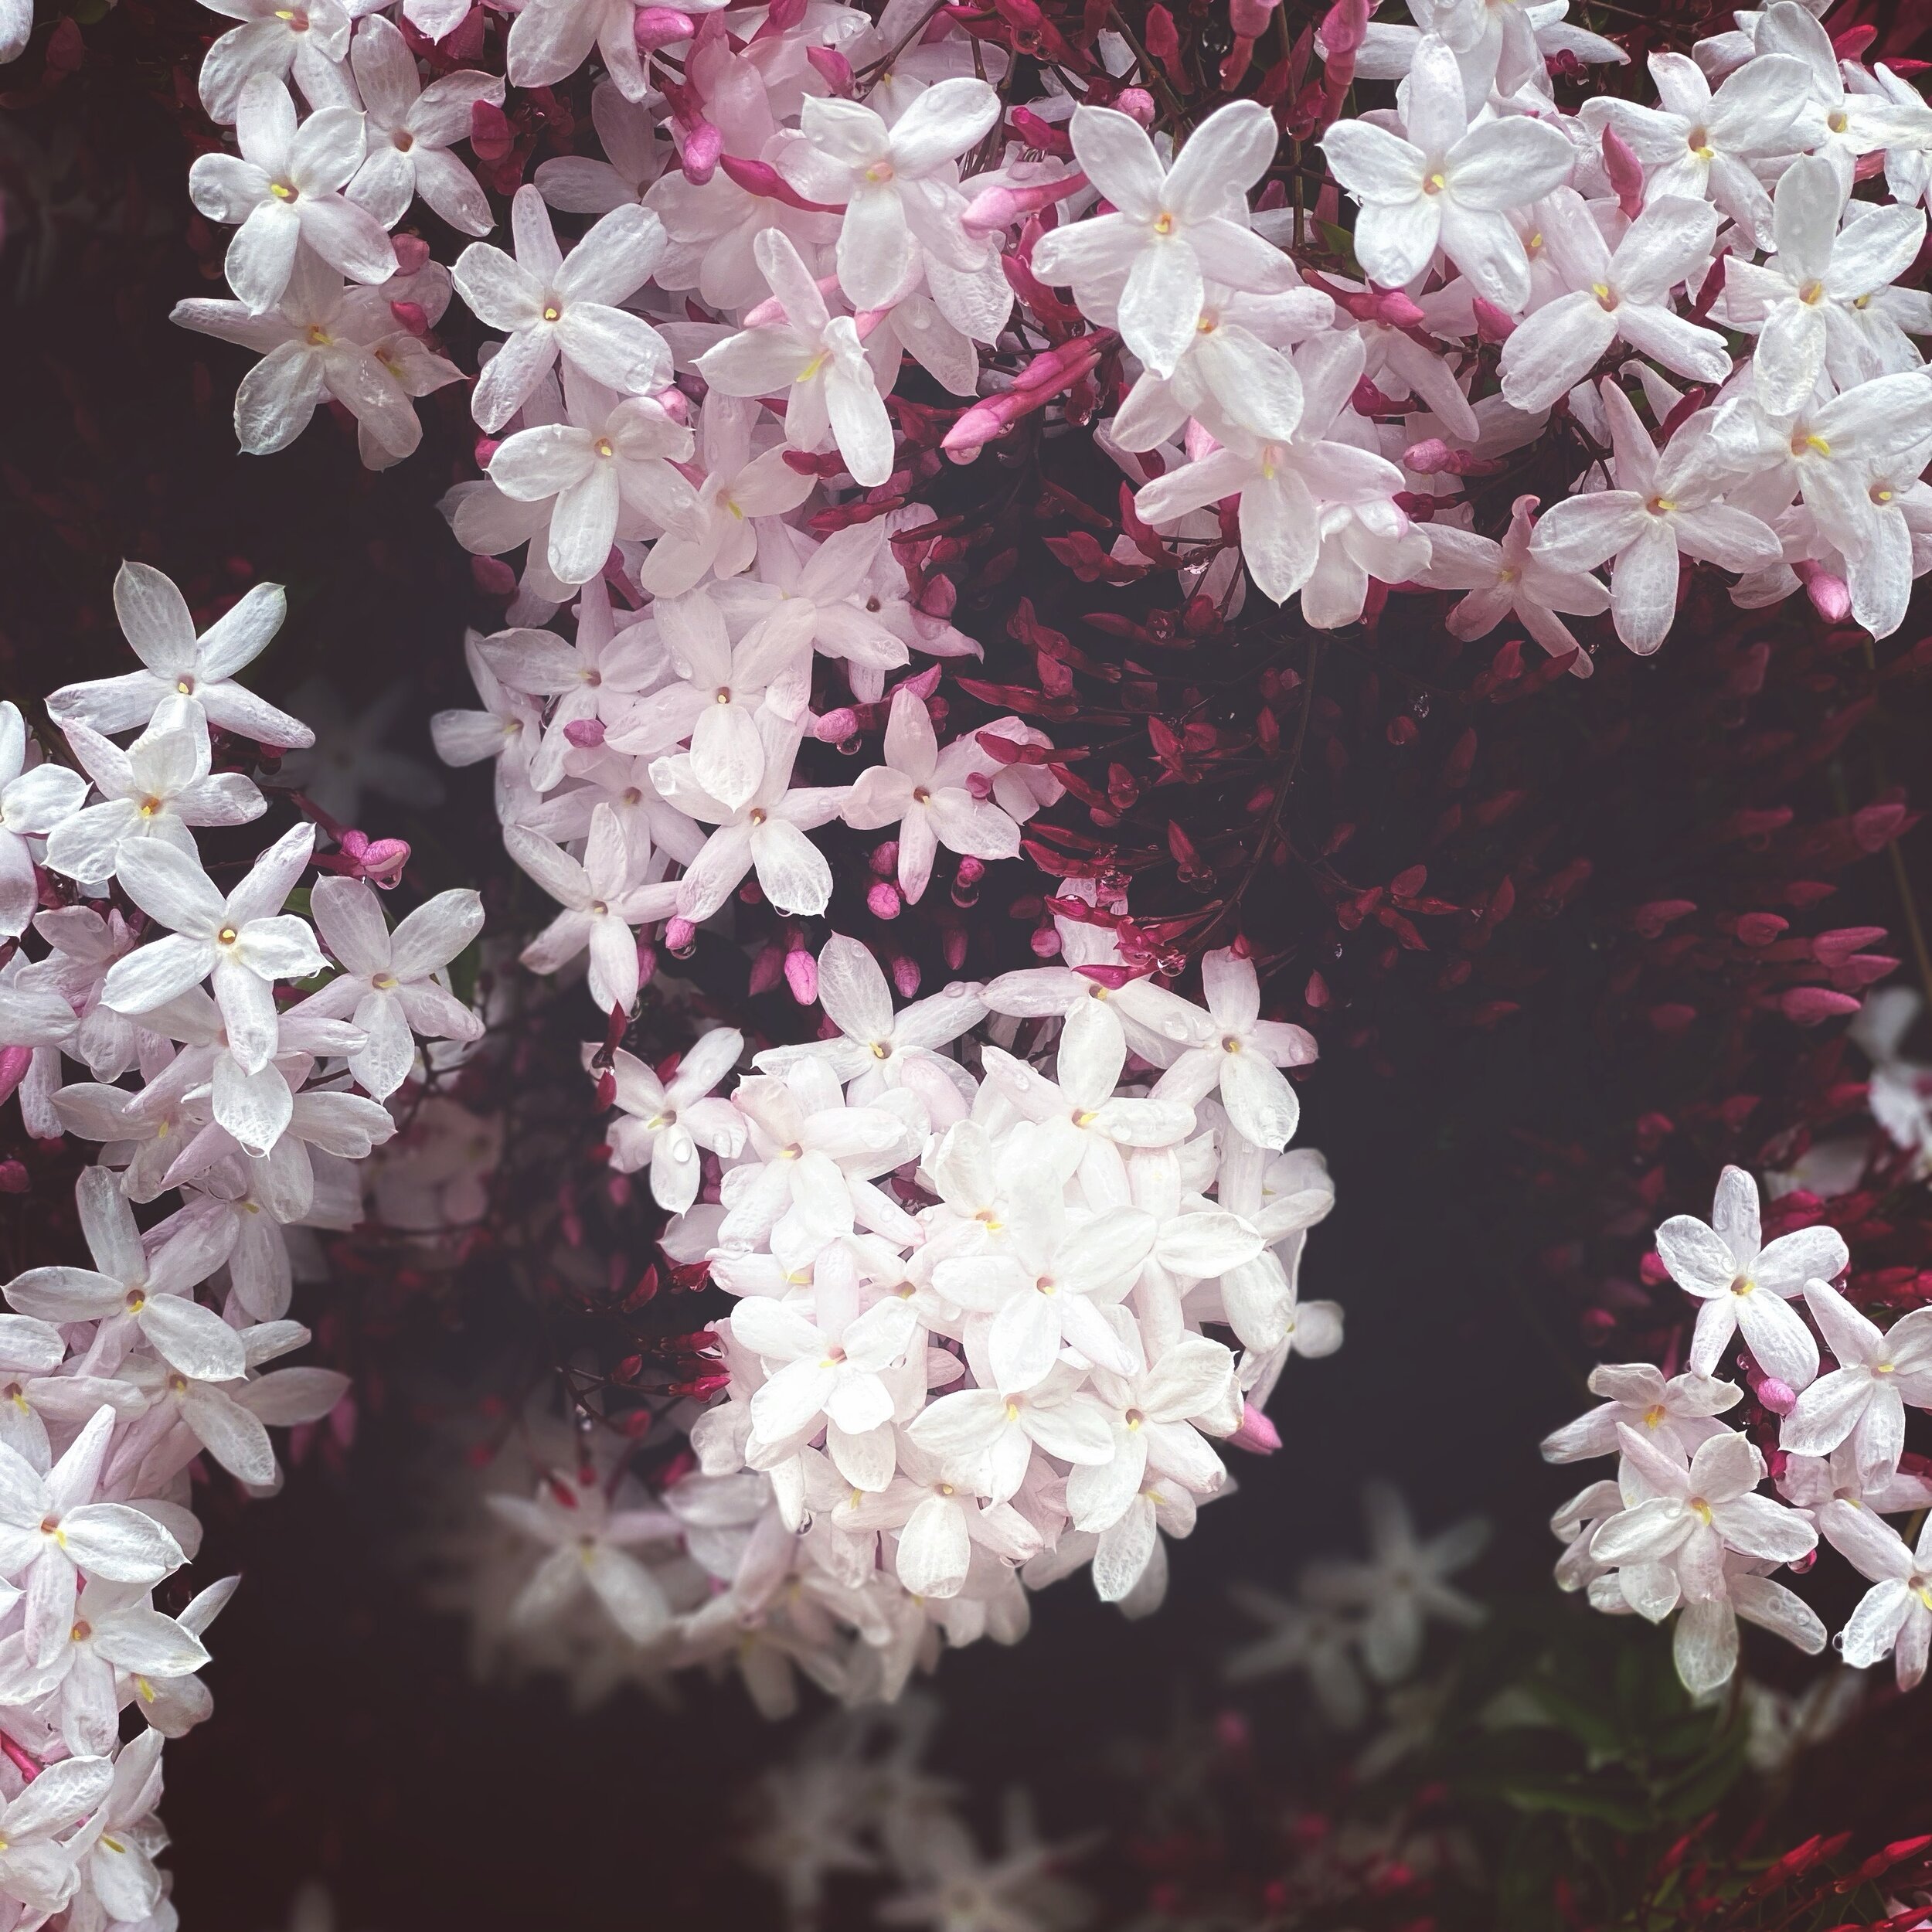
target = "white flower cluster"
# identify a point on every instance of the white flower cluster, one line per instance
(675, 397)
(970, 1354)
(1685, 1521)
(118, 1375)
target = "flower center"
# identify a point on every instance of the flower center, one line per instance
(226, 937)
(552, 312)
(1811, 294)
(404, 140)
(281, 191)
(1654, 1415)
(1434, 184)
(603, 446)
(149, 807)
(1743, 1285)
(1164, 223)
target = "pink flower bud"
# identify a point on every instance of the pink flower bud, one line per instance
(491, 137)
(835, 727)
(1343, 28)
(680, 938)
(1429, 457)
(412, 317)
(1626, 173)
(655, 27)
(493, 576)
(995, 209)
(702, 148)
(1812, 1005)
(760, 177)
(1137, 103)
(1831, 597)
(1257, 1434)
(882, 900)
(905, 975)
(675, 403)
(802, 975)
(953, 944)
(1780, 1397)
(1493, 325)
(411, 253)
(832, 68)
(884, 861)
(1249, 19)
(586, 733)
(13, 1178)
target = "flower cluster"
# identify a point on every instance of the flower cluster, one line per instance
(243, 1119)
(969, 1354)
(854, 1804)
(825, 254)
(1684, 1522)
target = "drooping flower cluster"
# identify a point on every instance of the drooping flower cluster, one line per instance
(971, 1351)
(692, 426)
(147, 1009)
(1685, 1522)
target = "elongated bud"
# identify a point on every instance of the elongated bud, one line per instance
(833, 68)
(1493, 325)
(802, 975)
(1043, 379)
(995, 209)
(1257, 1434)
(655, 27)
(14, 1063)
(1626, 173)
(1249, 19)
(702, 148)
(1342, 31)
(760, 177)
(1830, 596)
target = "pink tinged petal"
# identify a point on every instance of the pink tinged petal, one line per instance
(1024, 1342)
(1280, 533)
(612, 260)
(1716, 1323)
(232, 1434)
(1553, 350)
(1705, 1646)
(1116, 156)
(509, 380)
(615, 348)
(1377, 167)
(1806, 1255)
(1643, 587)
(791, 870)
(1699, 1259)
(347, 237)
(1780, 1343)
(1221, 160)
(118, 1544)
(1259, 1100)
(1509, 164)
(1126, 1550)
(1395, 241)
(1482, 244)
(1161, 303)
(874, 246)
(934, 1549)
(1868, 1638)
